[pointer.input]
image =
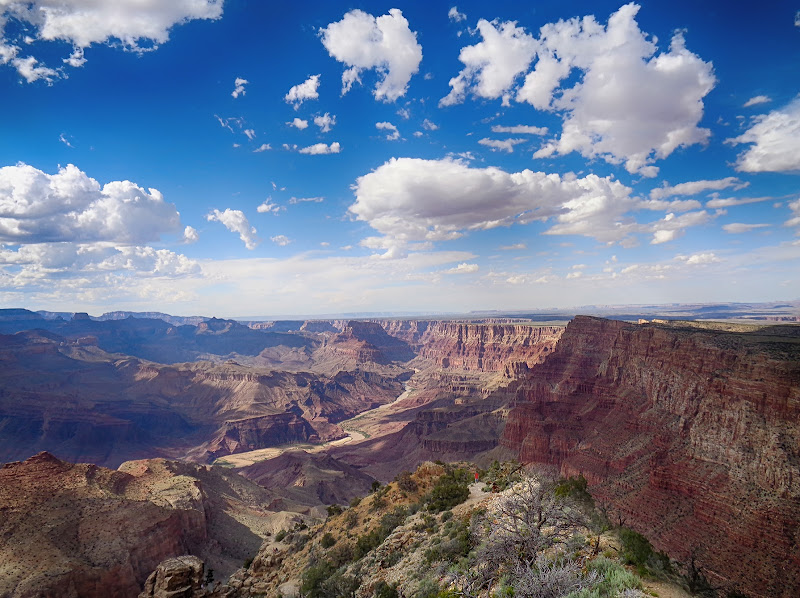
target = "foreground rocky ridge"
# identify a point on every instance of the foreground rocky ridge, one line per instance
(690, 434)
(79, 530)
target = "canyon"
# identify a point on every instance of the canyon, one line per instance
(688, 432)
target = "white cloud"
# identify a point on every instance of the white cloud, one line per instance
(36, 207)
(696, 187)
(756, 100)
(631, 105)
(429, 126)
(81, 23)
(698, 259)
(321, 148)
(776, 141)
(236, 222)
(797, 19)
(463, 268)
(736, 228)
(63, 139)
(404, 113)
(794, 206)
(251, 134)
(325, 122)
(729, 202)
(387, 126)
(514, 247)
(262, 148)
(456, 16)
(307, 90)
(410, 199)
(190, 235)
(678, 205)
(506, 145)
(520, 130)
(296, 200)
(238, 89)
(386, 44)
(268, 207)
(672, 227)
(573, 275)
(492, 65)
(281, 240)
(298, 123)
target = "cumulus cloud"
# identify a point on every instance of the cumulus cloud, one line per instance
(298, 123)
(190, 235)
(250, 133)
(756, 100)
(506, 145)
(37, 207)
(281, 240)
(520, 130)
(307, 90)
(387, 126)
(236, 222)
(632, 105)
(410, 199)
(429, 126)
(456, 16)
(698, 259)
(321, 148)
(672, 227)
(325, 122)
(736, 228)
(262, 148)
(386, 44)
(492, 65)
(696, 187)
(463, 268)
(134, 25)
(267, 207)
(775, 139)
(238, 89)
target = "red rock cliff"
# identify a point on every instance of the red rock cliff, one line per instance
(691, 435)
(486, 347)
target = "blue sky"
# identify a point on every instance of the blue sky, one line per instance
(254, 158)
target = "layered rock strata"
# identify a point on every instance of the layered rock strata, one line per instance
(690, 435)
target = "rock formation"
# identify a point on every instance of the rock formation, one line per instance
(690, 434)
(91, 532)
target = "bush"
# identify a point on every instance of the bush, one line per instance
(405, 483)
(313, 578)
(327, 540)
(280, 535)
(636, 549)
(334, 509)
(384, 590)
(450, 490)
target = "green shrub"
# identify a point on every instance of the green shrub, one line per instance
(613, 579)
(384, 590)
(327, 540)
(355, 502)
(450, 490)
(313, 578)
(333, 510)
(636, 549)
(280, 535)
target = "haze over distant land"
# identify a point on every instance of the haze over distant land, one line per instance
(234, 158)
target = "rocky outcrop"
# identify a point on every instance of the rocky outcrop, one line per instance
(690, 434)
(85, 531)
(486, 347)
(365, 342)
(179, 577)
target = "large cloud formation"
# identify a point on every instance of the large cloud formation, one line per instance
(136, 25)
(776, 141)
(385, 44)
(629, 106)
(37, 207)
(412, 200)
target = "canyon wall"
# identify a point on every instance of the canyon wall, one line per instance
(690, 435)
(476, 346)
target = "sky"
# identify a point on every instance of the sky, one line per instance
(245, 158)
